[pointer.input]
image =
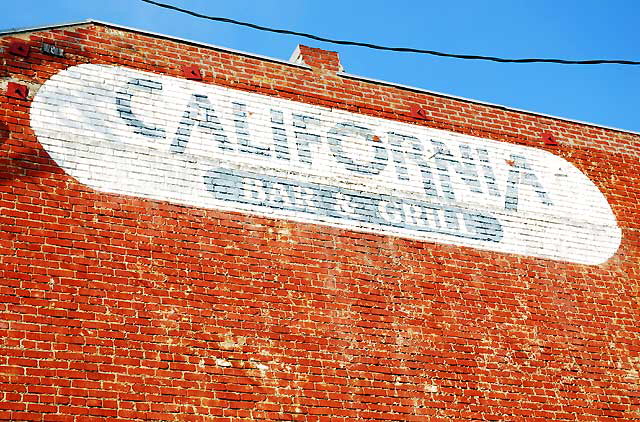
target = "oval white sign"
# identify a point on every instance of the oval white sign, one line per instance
(129, 132)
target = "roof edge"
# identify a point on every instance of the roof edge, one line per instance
(43, 27)
(304, 66)
(485, 103)
(153, 34)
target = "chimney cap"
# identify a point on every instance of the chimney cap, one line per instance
(317, 58)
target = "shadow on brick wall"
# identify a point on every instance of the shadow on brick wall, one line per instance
(4, 133)
(23, 161)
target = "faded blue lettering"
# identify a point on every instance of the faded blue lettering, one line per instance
(123, 104)
(281, 146)
(522, 174)
(304, 138)
(466, 169)
(351, 130)
(242, 132)
(324, 201)
(199, 111)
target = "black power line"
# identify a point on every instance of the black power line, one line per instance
(380, 47)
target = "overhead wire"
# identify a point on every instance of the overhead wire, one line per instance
(386, 48)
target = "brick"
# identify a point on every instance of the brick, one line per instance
(272, 249)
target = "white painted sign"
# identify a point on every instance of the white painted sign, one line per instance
(129, 132)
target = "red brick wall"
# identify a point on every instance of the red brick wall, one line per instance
(116, 307)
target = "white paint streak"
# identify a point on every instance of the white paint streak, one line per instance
(223, 363)
(430, 388)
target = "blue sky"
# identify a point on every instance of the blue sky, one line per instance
(607, 95)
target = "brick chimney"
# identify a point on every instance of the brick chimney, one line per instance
(317, 58)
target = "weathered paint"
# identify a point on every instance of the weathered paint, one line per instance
(130, 132)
